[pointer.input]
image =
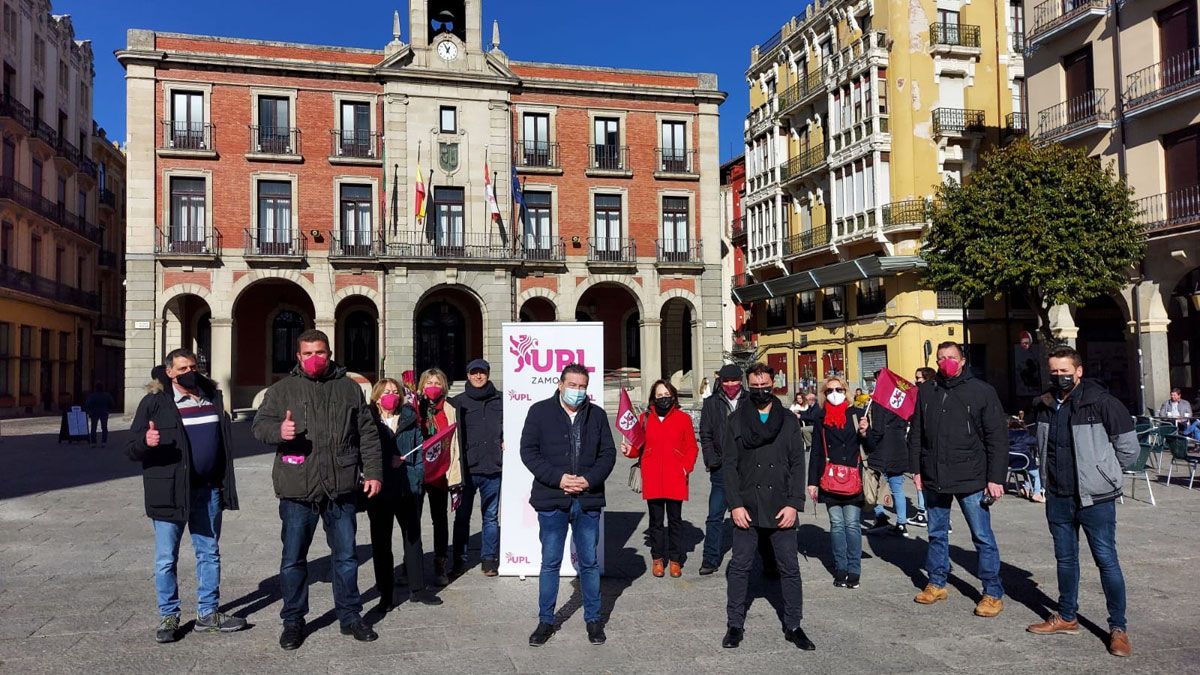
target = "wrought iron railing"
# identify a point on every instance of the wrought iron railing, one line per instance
(1081, 111)
(806, 240)
(68, 151)
(350, 243)
(543, 248)
(802, 163)
(107, 198)
(179, 241)
(44, 132)
(739, 280)
(1172, 74)
(1170, 209)
(11, 107)
(1055, 12)
(275, 140)
(907, 212)
(49, 289)
(678, 251)
(954, 35)
(11, 190)
(431, 244)
(355, 143)
(956, 121)
(537, 154)
(608, 157)
(186, 136)
(612, 249)
(1016, 123)
(272, 243)
(88, 167)
(675, 160)
(1018, 42)
(737, 229)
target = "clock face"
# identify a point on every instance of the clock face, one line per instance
(447, 50)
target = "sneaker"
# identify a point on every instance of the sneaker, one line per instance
(292, 636)
(880, 522)
(989, 607)
(541, 635)
(709, 568)
(901, 530)
(852, 581)
(918, 520)
(360, 630)
(839, 579)
(595, 633)
(218, 622)
(168, 629)
(931, 594)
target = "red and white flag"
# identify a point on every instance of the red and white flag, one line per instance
(895, 394)
(627, 422)
(489, 192)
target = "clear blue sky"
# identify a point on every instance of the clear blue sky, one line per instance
(693, 36)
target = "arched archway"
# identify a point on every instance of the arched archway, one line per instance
(187, 324)
(268, 315)
(1107, 353)
(616, 307)
(357, 327)
(678, 342)
(448, 332)
(538, 309)
(1183, 335)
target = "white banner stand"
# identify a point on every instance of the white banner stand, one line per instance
(534, 356)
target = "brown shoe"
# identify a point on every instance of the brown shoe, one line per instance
(1055, 625)
(676, 569)
(931, 594)
(657, 569)
(1118, 643)
(989, 607)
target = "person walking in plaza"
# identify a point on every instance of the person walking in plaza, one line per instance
(400, 497)
(567, 445)
(713, 419)
(1086, 439)
(668, 457)
(885, 440)
(764, 471)
(920, 518)
(481, 432)
(98, 406)
(181, 435)
(834, 470)
(443, 464)
(958, 450)
(324, 437)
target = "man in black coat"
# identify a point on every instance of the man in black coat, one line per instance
(481, 433)
(717, 408)
(764, 472)
(181, 435)
(886, 442)
(567, 445)
(958, 449)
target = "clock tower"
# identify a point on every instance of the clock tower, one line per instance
(432, 22)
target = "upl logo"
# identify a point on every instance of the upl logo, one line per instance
(528, 353)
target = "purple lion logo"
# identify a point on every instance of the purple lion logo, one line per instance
(521, 345)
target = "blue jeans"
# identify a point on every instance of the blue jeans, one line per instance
(846, 535)
(979, 519)
(896, 483)
(1034, 484)
(299, 526)
(1099, 523)
(585, 533)
(1193, 430)
(204, 523)
(488, 487)
(715, 527)
(920, 501)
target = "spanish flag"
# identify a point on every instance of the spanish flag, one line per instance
(419, 208)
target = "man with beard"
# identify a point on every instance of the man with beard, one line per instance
(481, 430)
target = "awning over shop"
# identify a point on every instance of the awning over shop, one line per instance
(837, 274)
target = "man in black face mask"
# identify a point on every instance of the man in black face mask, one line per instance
(765, 483)
(181, 435)
(1085, 440)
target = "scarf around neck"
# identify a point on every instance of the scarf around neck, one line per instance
(835, 415)
(756, 432)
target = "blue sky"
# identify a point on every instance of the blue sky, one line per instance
(693, 36)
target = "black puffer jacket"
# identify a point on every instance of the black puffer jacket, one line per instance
(764, 463)
(886, 441)
(714, 417)
(335, 433)
(958, 437)
(481, 428)
(166, 468)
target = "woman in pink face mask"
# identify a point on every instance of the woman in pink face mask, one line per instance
(443, 465)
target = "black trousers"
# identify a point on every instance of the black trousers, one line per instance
(666, 542)
(406, 511)
(737, 575)
(439, 511)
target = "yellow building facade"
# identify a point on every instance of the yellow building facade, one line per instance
(859, 110)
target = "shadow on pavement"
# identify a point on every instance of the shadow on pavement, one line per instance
(623, 564)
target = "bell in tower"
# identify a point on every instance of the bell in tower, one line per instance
(447, 16)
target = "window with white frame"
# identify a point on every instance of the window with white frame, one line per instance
(674, 147)
(538, 227)
(187, 121)
(675, 228)
(535, 139)
(354, 134)
(608, 223)
(186, 231)
(274, 217)
(354, 213)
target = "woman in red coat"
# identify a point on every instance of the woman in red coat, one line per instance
(668, 457)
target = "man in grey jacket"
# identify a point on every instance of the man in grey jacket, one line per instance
(1085, 440)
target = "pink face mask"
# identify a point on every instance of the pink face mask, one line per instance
(731, 389)
(433, 393)
(315, 364)
(949, 367)
(389, 402)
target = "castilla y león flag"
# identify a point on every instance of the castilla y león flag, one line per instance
(627, 422)
(895, 393)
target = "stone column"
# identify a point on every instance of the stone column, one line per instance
(221, 355)
(1152, 323)
(712, 290)
(1062, 324)
(651, 353)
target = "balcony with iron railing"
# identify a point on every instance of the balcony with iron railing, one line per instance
(270, 244)
(1174, 79)
(1016, 124)
(186, 139)
(612, 250)
(543, 248)
(737, 229)
(1075, 117)
(1170, 213)
(354, 146)
(183, 243)
(954, 38)
(68, 153)
(675, 163)
(274, 144)
(88, 168)
(57, 214)
(1017, 44)
(21, 281)
(870, 49)
(907, 214)
(949, 122)
(854, 226)
(608, 160)
(803, 164)
(350, 244)
(107, 198)
(739, 280)
(537, 157)
(806, 241)
(678, 253)
(1053, 18)
(14, 111)
(434, 245)
(42, 132)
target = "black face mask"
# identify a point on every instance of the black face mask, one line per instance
(187, 380)
(663, 405)
(1062, 383)
(760, 397)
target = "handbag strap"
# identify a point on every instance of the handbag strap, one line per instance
(825, 442)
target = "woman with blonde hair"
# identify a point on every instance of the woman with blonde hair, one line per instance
(443, 463)
(401, 496)
(835, 479)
